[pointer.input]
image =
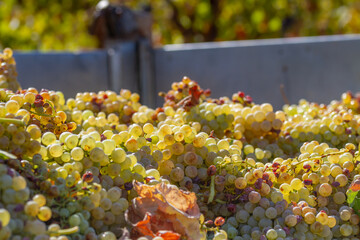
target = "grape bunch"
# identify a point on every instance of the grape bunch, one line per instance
(8, 74)
(103, 166)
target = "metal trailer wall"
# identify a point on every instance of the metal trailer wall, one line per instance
(66, 72)
(315, 68)
(73, 72)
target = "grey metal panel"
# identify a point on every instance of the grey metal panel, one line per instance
(147, 82)
(314, 68)
(321, 72)
(124, 63)
(66, 72)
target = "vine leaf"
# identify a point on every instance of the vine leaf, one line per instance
(353, 196)
(164, 210)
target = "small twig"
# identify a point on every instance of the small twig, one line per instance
(67, 231)
(320, 157)
(12, 120)
(212, 189)
(282, 91)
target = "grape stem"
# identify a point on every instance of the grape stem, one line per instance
(40, 114)
(210, 229)
(320, 157)
(44, 114)
(52, 107)
(220, 201)
(67, 231)
(212, 189)
(12, 120)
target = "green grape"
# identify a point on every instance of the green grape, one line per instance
(331, 221)
(105, 204)
(177, 174)
(54, 227)
(107, 236)
(290, 220)
(248, 149)
(55, 150)
(32, 208)
(98, 213)
(87, 143)
(71, 141)
(254, 197)
(9, 196)
(153, 173)
(271, 234)
(345, 215)
(118, 155)
(223, 144)
(63, 136)
(44, 213)
(116, 208)
(259, 153)
(345, 230)
(190, 171)
(12, 106)
(18, 183)
(148, 128)
(304, 192)
(114, 169)
(285, 188)
(325, 190)
(114, 194)
(97, 154)
(296, 184)
(48, 138)
(271, 213)
(221, 235)
(4, 217)
(99, 145)
(138, 168)
(5, 181)
(322, 218)
(258, 213)
(77, 153)
(35, 227)
(342, 179)
(240, 183)
(339, 198)
(66, 157)
(74, 220)
(131, 144)
(126, 175)
(232, 232)
(191, 158)
(109, 146)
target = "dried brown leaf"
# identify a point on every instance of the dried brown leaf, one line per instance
(168, 208)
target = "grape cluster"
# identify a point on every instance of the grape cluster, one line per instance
(68, 167)
(8, 74)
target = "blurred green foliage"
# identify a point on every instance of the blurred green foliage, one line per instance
(63, 24)
(178, 21)
(46, 24)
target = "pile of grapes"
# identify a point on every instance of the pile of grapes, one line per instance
(104, 166)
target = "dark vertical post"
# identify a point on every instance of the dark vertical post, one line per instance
(147, 73)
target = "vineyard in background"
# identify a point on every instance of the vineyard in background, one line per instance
(33, 24)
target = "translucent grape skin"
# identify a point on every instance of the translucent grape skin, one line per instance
(254, 197)
(4, 217)
(44, 213)
(32, 208)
